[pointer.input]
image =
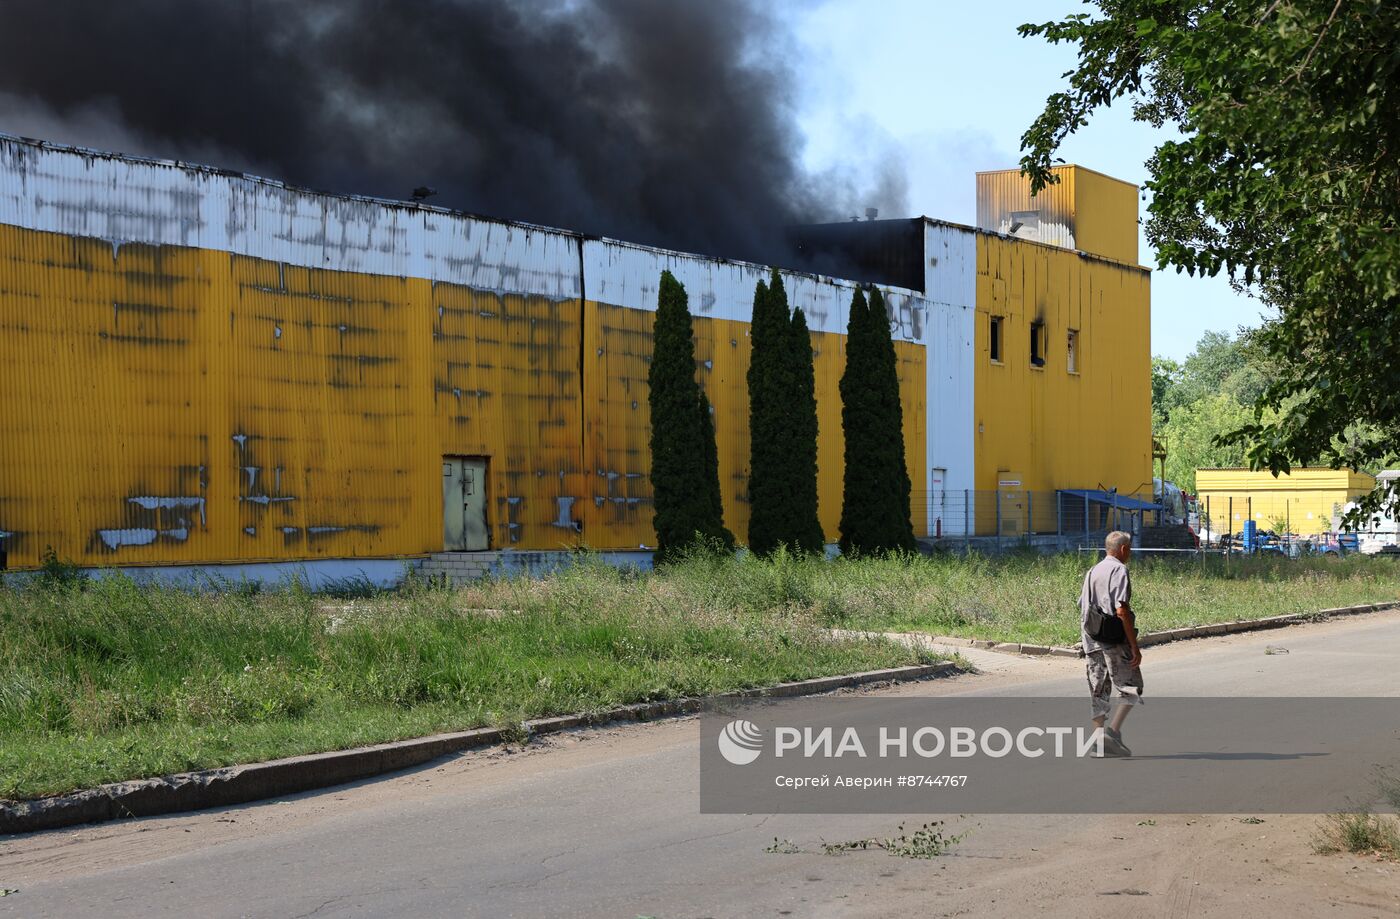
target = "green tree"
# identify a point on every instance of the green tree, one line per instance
(1166, 375)
(1256, 371)
(1216, 359)
(1191, 437)
(875, 483)
(807, 535)
(720, 537)
(1285, 176)
(1204, 398)
(782, 426)
(684, 461)
(895, 486)
(859, 412)
(770, 511)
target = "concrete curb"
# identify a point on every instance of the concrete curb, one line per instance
(1007, 647)
(274, 779)
(1258, 625)
(1161, 638)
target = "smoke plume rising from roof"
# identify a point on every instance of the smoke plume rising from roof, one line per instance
(668, 123)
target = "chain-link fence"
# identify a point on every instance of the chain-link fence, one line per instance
(1291, 523)
(1012, 514)
(1300, 515)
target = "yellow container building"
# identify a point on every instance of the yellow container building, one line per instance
(1304, 501)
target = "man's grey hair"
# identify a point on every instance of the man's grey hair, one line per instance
(1117, 539)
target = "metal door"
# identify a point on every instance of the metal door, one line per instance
(1011, 504)
(464, 504)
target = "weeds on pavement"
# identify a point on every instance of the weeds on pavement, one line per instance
(928, 841)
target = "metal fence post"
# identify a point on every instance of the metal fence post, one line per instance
(1059, 513)
(1030, 513)
(967, 521)
(1209, 527)
(998, 518)
(1231, 525)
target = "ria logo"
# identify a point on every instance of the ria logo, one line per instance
(740, 742)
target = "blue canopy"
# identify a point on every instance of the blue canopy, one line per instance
(1122, 502)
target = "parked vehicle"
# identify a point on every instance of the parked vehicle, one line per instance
(1338, 544)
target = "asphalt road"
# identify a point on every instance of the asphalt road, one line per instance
(605, 822)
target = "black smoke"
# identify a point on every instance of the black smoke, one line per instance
(668, 122)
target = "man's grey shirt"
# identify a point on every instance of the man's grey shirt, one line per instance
(1107, 586)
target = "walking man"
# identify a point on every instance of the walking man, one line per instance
(1111, 653)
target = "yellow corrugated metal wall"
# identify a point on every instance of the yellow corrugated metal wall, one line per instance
(1060, 429)
(1004, 191)
(1303, 512)
(1105, 215)
(168, 404)
(505, 386)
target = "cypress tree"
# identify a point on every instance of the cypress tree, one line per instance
(769, 493)
(684, 480)
(807, 535)
(897, 531)
(718, 533)
(875, 487)
(858, 414)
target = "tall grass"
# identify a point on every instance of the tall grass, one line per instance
(109, 680)
(1030, 597)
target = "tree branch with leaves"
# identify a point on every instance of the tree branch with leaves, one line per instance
(1284, 176)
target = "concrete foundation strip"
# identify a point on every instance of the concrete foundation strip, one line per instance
(233, 785)
(1160, 638)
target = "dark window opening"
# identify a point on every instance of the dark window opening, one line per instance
(1072, 354)
(1037, 342)
(1024, 220)
(995, 338)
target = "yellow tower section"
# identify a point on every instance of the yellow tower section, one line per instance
(1062, 364)
(1083, 210)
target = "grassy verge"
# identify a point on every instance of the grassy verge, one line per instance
(1031, 598)
(108, 681)
(111, 681)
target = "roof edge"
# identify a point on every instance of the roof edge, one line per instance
(1091, 256)
(987, 172)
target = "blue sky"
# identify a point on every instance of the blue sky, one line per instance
(949, 88)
